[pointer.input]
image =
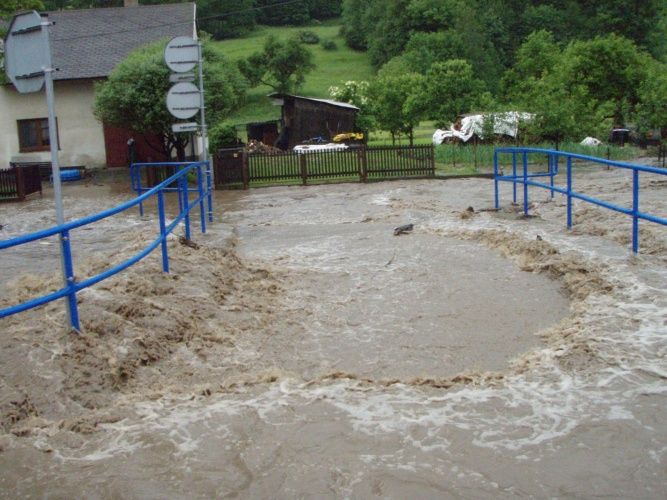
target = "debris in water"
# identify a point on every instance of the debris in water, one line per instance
(188, 243)
(407, 228)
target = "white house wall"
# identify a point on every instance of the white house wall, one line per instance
(81, 135)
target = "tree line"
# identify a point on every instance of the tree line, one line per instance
(580, 67)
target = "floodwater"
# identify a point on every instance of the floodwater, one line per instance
(303, 350)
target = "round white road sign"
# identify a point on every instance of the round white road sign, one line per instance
(184, 100)
(26, 52)
(181, 54)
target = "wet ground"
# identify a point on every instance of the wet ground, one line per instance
(303, 350)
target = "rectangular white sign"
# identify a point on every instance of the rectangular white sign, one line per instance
(181, 77)
(185, 127)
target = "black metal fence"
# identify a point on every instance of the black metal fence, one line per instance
(236, 167)
(19, 182)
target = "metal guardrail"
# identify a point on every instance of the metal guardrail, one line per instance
(523, 176)
(73, 287)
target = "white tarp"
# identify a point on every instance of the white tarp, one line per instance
(503, 124)
(312, 148)
(591, 141)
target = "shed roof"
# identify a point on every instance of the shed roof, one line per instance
(338, 104)
(89, 43)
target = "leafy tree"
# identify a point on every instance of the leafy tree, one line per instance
(276, 13)
(610, 68)
(9, 7)
(397, 104)
(652, 108)
(354, 26)
(324, 9)
(450, 90)
(432, 15)
(133, 96)
(390, 32)
(231, 26)
(282, 65)
(534, 60)
(425, 49)
(356, 93)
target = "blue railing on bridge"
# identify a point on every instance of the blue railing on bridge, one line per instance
(522, 175)
(177, 183)
(135, 179)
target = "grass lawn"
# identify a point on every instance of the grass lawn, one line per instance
(332, 67)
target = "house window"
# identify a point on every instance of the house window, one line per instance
(34, 134)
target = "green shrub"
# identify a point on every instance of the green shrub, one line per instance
(329, 45)
(308, 37)
(222, 135)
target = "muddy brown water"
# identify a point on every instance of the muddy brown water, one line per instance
(304, 351)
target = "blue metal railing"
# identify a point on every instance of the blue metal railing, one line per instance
(135, 178)
(69, 291)
(527, 179)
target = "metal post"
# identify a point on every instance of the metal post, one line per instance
(200, 187)
(65, 254)
(552, 170)
(69, 278)
(569, 192)
(183, 195)
(163, 231)
(635, 209)
(495, 180)
(514, 177)
(525, 183)
(204, 131)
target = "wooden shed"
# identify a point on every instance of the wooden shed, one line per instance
(306, 118)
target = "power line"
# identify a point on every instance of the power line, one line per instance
(208, 18)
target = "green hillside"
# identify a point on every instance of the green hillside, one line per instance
(332, 67)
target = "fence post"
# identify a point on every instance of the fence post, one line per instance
(163, 231)
(514, 177)
(525, 183)
(304, 168)
(69, 277)
(200, 187)
(432, 159)
(183, 195)
(364, 164)
(245, 169)
(209, 188)
(552, 172)
(569, 192)
(20, 183)
(495, 180)
(635, 209)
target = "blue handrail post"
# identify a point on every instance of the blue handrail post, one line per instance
(525, 183)
(185, 201)
(72, 309)
(135, 175)
(495, 180)
(514, 177)
(569, 192)
(635, 210)
(209, 187)
(552, 172)
(163, 231)
(200, 187)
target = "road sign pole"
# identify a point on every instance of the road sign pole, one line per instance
(65, 250)
(204, 133)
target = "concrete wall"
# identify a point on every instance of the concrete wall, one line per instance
(81, 135)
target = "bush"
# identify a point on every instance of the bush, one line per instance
(308, 37)
(222, 135)
(329, 45)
